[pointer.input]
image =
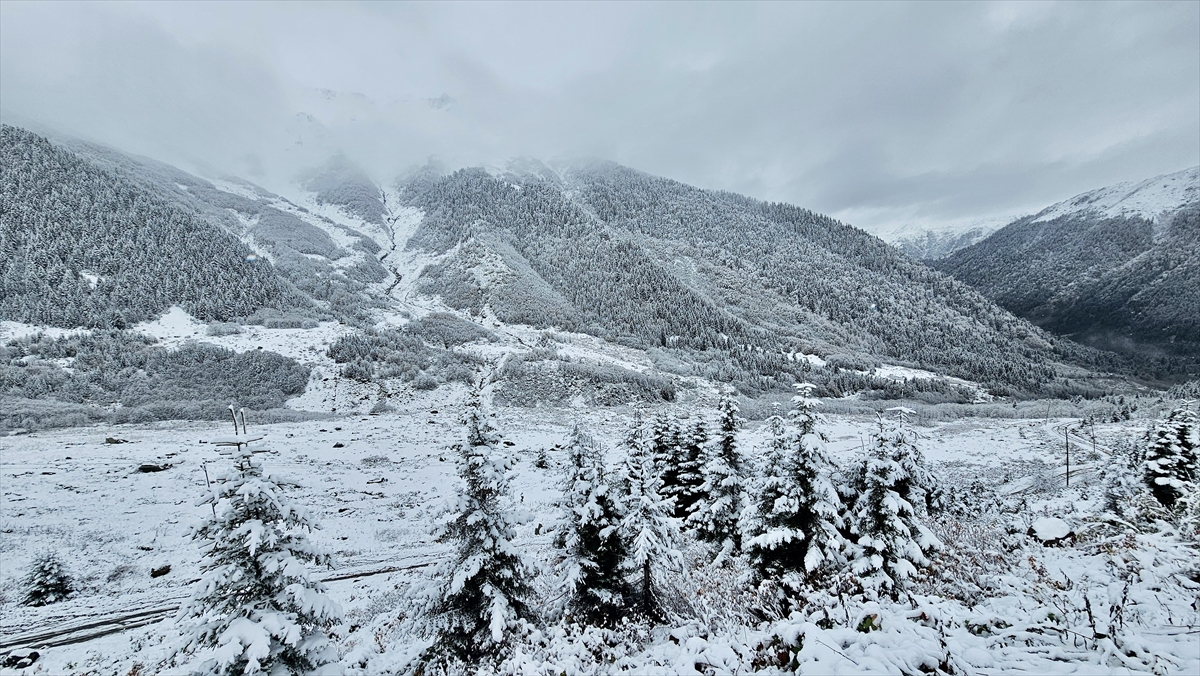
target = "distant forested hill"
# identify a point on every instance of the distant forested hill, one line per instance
(1118, 268)
(658, 264)
(80, 246)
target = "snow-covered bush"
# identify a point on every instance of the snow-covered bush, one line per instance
(648, 526)
(597, 592)
(718, 513)
(480, 597)
(47, 581)
(1171, 456)
(257, 609)
(1124, 482)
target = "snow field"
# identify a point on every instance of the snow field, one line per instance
(375, 483)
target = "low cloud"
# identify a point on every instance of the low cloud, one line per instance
(883, 114)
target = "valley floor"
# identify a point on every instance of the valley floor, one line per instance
(376, 482)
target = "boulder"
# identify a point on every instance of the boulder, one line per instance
(1050, 530)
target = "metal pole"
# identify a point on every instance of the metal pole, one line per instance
(1067, 440)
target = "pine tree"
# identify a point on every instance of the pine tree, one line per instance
(891, 542)
(1124, 481)
(689, 474)
(648, 525)
(597, 591)
(47, 581)
(256, 608)
(665, 441)
(796, 519)
(1171, 456)
(770, 488)
(483, 593)
(717, 516)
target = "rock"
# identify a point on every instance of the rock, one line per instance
(151, 467)
(160, 571)
(1050, 530)
(20, 658)
(114, 440)
(339, 445)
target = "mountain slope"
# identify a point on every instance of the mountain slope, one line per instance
(80, 246)
(1115, 267)
(931, 245)
(737, 283)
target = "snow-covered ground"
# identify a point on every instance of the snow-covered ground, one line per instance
(376, 482)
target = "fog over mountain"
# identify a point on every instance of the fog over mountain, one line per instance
(892, 117)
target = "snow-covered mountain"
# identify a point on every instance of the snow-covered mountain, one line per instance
(662, 282)
(1117, 267)
(1153, 199)
(931, 245)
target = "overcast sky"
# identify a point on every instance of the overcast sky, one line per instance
(884, 115)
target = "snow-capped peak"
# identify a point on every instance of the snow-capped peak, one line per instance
(1148, 199)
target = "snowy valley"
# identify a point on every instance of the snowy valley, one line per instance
(662, 430)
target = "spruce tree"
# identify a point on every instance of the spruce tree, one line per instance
(688, 486)
(483, 595)
(796, 518)
(257, 609)
(597, 591)
(47, 581)
(717, 516)
(648, 527)
(891, 542)
(1171, 456)
(769, 488)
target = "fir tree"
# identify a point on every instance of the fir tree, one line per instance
(47, 581)
(648, 525)
(665, 440)
(1171, 456)
(688, 485)
(256, 608)
(717, 516)
(597, 591)
(891, 542)
(483, 593)
(770, 487)
(797, 515)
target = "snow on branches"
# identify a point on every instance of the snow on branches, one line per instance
(891, 542)
(257, 609)
(597, 592)
(481, 595)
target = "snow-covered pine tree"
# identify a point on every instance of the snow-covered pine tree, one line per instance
(804, 412)
(482, 595)
(667, 449)
(648, 527)
(1171, 456)
(769, 487)
(47, 581)
(256, 609)
(664, 440)
(891, 542)
(797, 515)
(718, 515)
(597, 590)
(688, 488)
(1123, 481)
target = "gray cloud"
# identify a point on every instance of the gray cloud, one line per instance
(883, 114)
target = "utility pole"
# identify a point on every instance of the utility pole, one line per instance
(1067, 441)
